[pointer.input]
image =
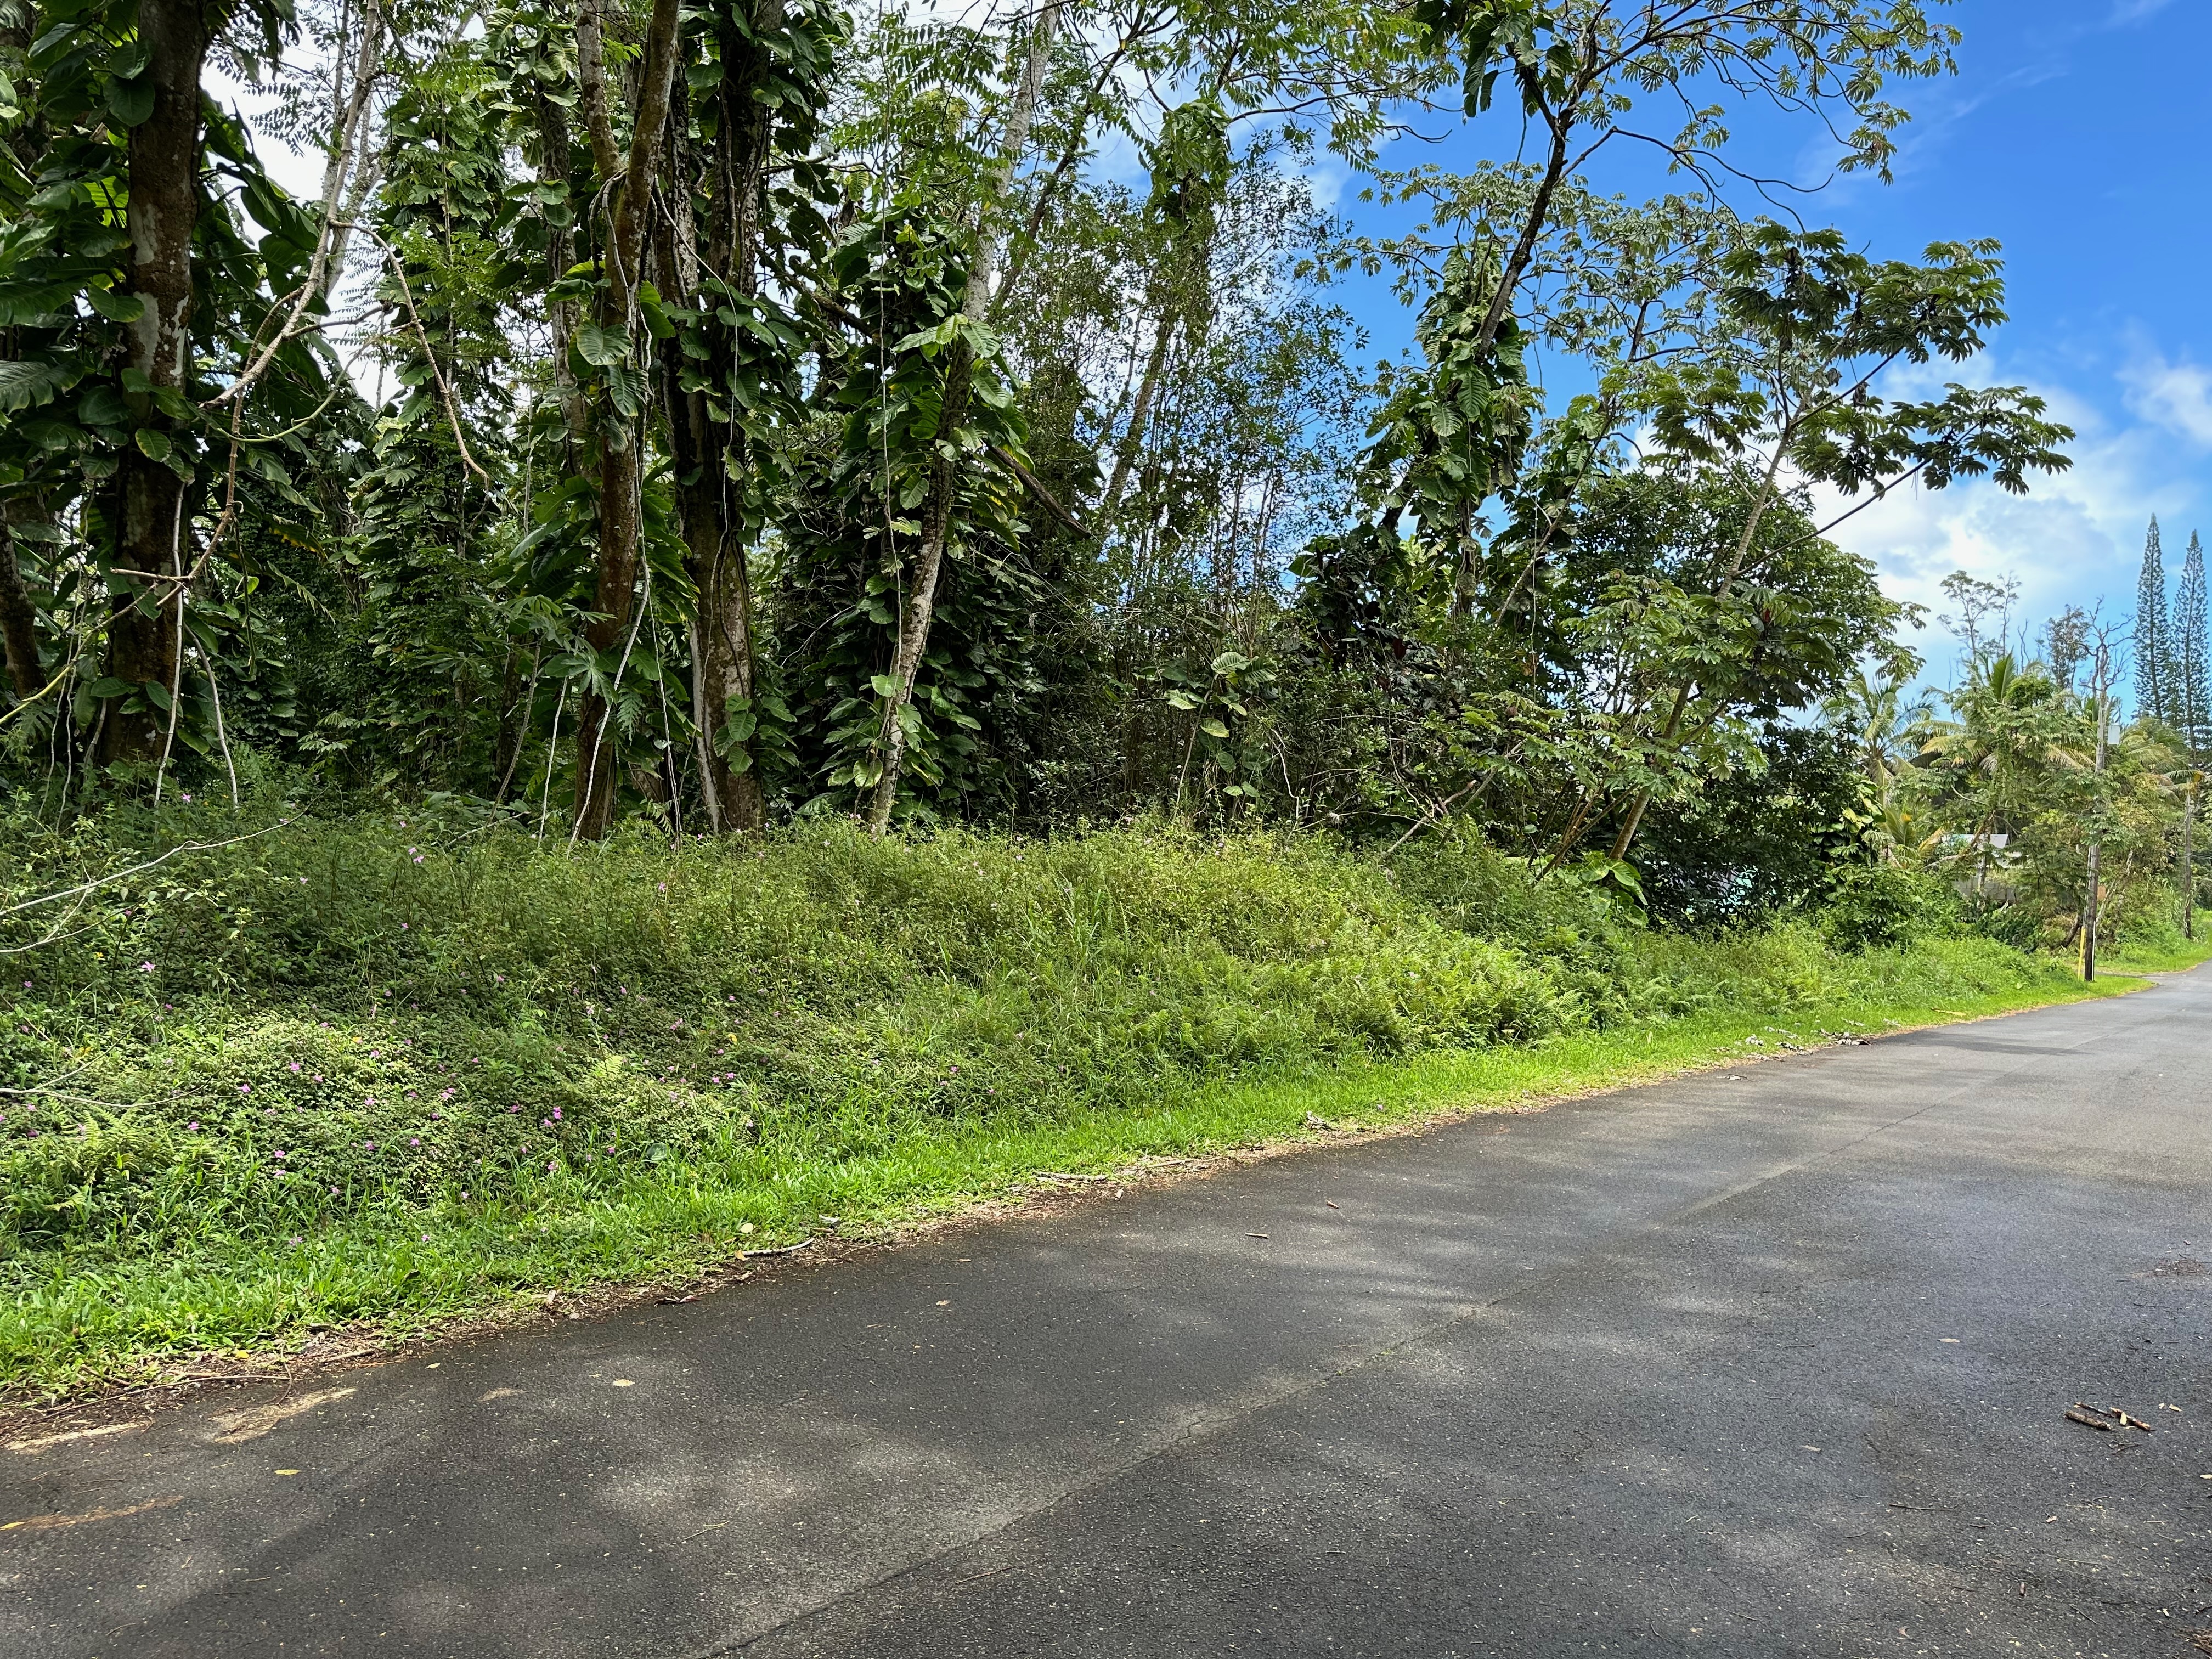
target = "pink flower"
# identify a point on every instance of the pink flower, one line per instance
(295, 1069)
(280, 1154)
(145, 967)
(194, 1124)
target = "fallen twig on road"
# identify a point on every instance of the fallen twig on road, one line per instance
(2101, 1417)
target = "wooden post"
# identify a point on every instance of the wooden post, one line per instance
(2090, 905)
(2189, 860)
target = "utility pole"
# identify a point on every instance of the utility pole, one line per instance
(2188, 856)
(2090, 907)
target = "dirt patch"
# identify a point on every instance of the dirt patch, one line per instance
(45, 1522)
(252, 1422)
(32, 1448)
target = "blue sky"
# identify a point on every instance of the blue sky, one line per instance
(2078, 134)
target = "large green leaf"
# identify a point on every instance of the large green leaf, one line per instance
(26, 385)
(132, 101)
(600, 348)
(116, 308)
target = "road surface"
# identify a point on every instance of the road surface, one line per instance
(1764, 1363)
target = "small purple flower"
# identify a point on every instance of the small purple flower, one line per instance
(145, 967)
(194, 1124)
(280, 1155)
(246, 1088)
(295, 1069)
(412, 1141)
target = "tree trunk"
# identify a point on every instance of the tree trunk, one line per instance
(1140, 415)
(19, 618)
(921, 601)
(2092, 905)
(2189, 863)
(144, 616)
(709, 461)
(621, 437)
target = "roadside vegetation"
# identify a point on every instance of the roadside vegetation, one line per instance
(760, 612)
(389, 1071)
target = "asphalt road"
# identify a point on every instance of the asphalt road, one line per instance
(1768, 1363)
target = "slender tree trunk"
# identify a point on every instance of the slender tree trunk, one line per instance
(709, 462)
(148, 496)
(2188, 874)
(2092, 905)
(19, 618)
(621, 437)
(921, 589)
(1140, 415)
(560, 257)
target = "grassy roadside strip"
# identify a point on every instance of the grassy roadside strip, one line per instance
(88, 1325)
(2172, 955)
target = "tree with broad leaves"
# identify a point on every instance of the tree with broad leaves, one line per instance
(1792, 391)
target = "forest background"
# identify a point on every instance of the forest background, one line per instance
(724, 554)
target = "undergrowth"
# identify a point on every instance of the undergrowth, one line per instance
(384, 1069)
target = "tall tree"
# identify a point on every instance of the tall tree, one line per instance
(2192, 675)
(2154, 651)
(610, 355)
(963, 339)
(147, 587)
(1814, 324)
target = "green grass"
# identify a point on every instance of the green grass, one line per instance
(2163, 952)
(340, 1077)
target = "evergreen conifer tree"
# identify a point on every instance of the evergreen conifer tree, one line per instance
(2153, 654)
(2192, 660)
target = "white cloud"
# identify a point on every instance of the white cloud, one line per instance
(2176, 396)
(2076, 538)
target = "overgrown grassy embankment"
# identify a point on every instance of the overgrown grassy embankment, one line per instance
(376, 1073)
